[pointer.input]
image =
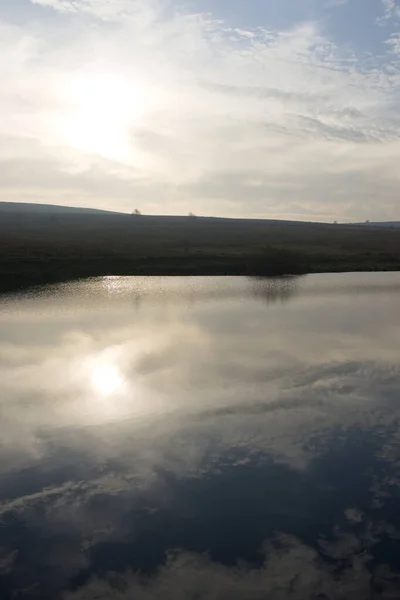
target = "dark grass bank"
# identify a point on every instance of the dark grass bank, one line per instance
(40, 248)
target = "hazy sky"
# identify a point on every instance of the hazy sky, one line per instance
(275, 108)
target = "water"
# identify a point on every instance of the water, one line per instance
(200, 438)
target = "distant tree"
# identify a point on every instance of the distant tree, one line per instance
(191, 215)
(136, 212)
(367, 221)
(335, 222)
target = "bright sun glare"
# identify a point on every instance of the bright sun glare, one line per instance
(102, 108)
(107, 380)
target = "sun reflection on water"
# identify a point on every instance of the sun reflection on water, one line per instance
(107, 380)
(106, 392)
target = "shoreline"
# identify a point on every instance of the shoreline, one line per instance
(26, 274)
(41, 249)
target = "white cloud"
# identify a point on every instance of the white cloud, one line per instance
(102, 9)
(251, 399)
(394, 44)
(391, 10)
(148, 105)
(293, 393)
(291, 570)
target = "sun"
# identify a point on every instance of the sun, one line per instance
(102, 108)
(107, 380)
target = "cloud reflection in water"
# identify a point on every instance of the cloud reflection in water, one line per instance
(228, 438)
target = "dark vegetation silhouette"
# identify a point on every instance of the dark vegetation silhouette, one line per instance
(275, 261)
(36, 248)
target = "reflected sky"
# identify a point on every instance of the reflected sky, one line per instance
(201, 438)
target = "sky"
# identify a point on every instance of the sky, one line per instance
(265, 108)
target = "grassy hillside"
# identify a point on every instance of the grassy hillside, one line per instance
(40, 246)
(32, 209)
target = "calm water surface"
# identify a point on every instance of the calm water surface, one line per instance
(201, 438)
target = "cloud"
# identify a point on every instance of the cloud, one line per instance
(102, 9)
(394, 44)
(313, 371)
(114, 518)
(6, 561)
(391, 10)
(221, 431)
(292, 570)
(125, 104)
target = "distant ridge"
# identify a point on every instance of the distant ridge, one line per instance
(49, 209)
(27, 207)
(40, 210)
(41, 243)
(380, 224)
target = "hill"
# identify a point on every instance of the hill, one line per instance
(395, 224)
(28, 208)
(39, 245)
